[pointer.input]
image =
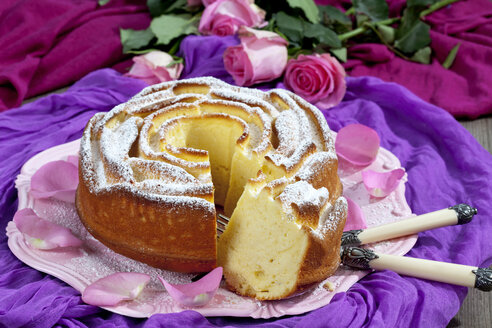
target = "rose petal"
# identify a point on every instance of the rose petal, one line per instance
(381, 184)
(152, 67)
(140, 69)
(224, 17)
(43, 234)
(111, 290)
(326, 75)
(74, 159)
(355, 217)
(237, 63)
(249, 34)
(264, 52)
(57, 179)
(197, 293)
(357, 144)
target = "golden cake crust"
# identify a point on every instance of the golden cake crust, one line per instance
(152, 168)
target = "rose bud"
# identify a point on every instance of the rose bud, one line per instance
(152, 68)
(260, 57)
(224, 17)
(320, 79)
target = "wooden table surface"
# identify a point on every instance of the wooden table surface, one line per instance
(476, 311)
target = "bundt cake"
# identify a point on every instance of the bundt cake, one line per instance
(154, 169)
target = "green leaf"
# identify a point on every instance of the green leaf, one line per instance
(156, 7)
(176, 60)
(334, 18)
(448, 62)
(132, 40)
(416, 38)
(361, 20)
(291, 27)
(142, 51)
(296, 51)
(411, 3)
(322, 35)
(175, 45)
(413, 34)
(332, 14)
(409, 19)
(168, 27)
(340, 53)
(297, 30)
(103, 2)
(160, 7)
(422, 56)
(376, 10)
(293, 51)
(308, 7)
(177, 4)
(387, 33)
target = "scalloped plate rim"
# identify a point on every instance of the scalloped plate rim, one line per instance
(265, 310)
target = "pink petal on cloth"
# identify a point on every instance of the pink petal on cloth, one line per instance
(381, 184)
(117, 287)
(357, 144)
(74, 159)
(197, 293)
(43, 234)
(355, 217)
(57, 179)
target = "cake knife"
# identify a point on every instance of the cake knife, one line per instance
(457, 274)
(454, 215)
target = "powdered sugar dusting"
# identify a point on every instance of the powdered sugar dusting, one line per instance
(80, 269)
(158, 172)
(302, 193)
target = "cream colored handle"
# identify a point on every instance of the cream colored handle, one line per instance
(409, 226)
(455, 274)
(458, 214)
(463, 275)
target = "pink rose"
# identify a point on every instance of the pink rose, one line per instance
(261, 57)
(320, 79)
(224, 17)
(152, 68)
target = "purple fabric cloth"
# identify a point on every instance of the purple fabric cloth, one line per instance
(205, 61)
(464, 89)
(445, 166)
(49, 44)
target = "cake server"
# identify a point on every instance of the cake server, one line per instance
(457, 274)
(454, 215)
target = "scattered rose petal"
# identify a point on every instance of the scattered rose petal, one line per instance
(43, 234)
(357, 144)
(111, 290)
(381, 184)
(57, 179)
(355, 217)
(197, 293)
(74, 159)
